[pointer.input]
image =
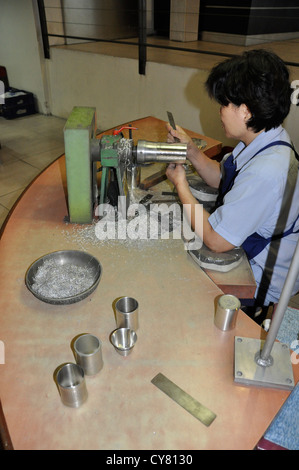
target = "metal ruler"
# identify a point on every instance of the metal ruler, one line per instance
(183, 399)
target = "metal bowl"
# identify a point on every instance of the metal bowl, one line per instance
(68, 259)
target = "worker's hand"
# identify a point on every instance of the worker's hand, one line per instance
(192, 149)
(179, 133)
(175, 172)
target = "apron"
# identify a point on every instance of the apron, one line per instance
(255, 243)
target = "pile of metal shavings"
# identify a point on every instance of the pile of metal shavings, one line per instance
(56, 281)
(140, 231)
(86, 236)
(81, 235)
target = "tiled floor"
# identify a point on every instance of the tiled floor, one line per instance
(28, 145)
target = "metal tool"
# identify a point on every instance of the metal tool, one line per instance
(83, 151)
(183, 399)
(172, 123)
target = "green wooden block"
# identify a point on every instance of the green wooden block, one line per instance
(79, 130)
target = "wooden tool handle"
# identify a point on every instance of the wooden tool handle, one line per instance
(153, 180)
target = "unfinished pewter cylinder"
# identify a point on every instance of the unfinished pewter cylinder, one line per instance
(126, 310)
(88, 353)
(226, 312)
(162, 152)
(71, 385)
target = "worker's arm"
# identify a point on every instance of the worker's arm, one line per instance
(207, 168)
(176, 174)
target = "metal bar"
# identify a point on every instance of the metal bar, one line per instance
(156, 46)
(172, 123)
(44, 29)
(183, 399)
(142, 36)
(131, 43)
(281, 308)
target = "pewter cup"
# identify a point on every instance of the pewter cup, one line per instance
(126, 310)
(123, 340)
(226, 312)
(88, 353)
(71, 385)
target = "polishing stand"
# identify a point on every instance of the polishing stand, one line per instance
(268, 363)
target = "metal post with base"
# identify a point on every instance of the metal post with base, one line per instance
(267, 363)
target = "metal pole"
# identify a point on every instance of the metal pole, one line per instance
(291, 278)
(142, 35)
(44, 29)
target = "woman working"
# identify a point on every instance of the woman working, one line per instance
(258, 203)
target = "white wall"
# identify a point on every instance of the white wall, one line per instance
(19, 48)
(113, 85)
(120, 94)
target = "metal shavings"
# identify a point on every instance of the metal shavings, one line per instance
(57, 281)
(124, 150)
(140, 232)
(144, 227)
(84, 237)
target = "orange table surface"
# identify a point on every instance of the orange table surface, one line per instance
(177, 337)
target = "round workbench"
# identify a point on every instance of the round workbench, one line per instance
(177, 337)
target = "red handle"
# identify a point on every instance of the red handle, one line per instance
(118, 131)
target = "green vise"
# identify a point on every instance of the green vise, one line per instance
(110, 159)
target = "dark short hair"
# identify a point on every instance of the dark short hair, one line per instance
(257, 78)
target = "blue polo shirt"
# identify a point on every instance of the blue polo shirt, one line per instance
(265, 194)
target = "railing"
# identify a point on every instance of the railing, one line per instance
(142, 43)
